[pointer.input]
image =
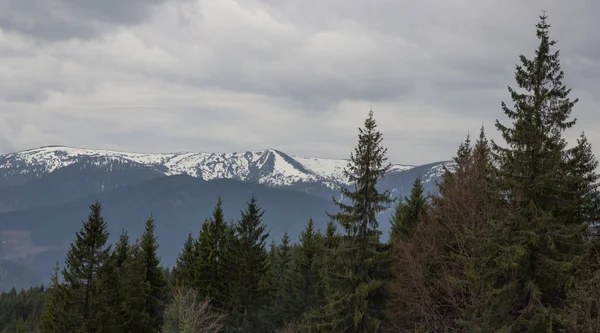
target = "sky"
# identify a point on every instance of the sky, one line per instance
(295, 75)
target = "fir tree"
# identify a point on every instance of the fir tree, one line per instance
(535, 256)
(81, 272)
(408, 212)
(153, 274)
(355, 303)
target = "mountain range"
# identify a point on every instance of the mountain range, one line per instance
(45, 194)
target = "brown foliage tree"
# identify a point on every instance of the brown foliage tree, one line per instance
(429, 290)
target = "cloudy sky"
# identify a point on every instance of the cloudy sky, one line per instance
(295, 75)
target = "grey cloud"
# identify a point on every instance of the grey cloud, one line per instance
(55, 20)
(297, 75)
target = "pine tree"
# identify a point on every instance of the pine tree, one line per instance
(536, 255)
(359, 272)
(250, 271)
(153, 273)
(408, 212)
(81, 272)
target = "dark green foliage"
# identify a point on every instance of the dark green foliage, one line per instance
(408, 212)
(211, 279)
(21, 308)
(357, 275)
(125, 288)
(306, 280)
(536, 255)
(283, 301)
(82, 270)
(250, 267)
(55, 318)
(184, 271)
(153, 276)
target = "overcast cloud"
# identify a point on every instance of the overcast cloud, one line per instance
(296, 75)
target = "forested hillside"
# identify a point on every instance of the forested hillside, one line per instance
(507, 244)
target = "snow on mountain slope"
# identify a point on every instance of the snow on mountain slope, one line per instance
(334, 168)
(269, 167)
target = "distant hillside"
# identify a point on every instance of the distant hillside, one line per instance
(179, 205)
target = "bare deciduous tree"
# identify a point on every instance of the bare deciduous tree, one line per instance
(187, 314)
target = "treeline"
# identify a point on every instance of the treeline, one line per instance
(508, 244)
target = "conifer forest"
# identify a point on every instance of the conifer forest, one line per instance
(507, 244)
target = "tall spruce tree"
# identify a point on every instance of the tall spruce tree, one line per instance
(183, 272)
(536, 255)
(126, 289)
(212, 273)
(408, 212)
(55, 316)
(83, 265)
(283, 288)
(153, 276)
(110, 279)
(306, 279)
(250, 267)
(359, 272)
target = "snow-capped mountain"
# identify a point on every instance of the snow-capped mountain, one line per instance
(46, 191)
(269, 167)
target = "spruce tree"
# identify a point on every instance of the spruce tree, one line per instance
(536, 255)
(306, 279)
(109, 282)
(359, 271)
(136, 289)
(408, 212)
(21, 326)
(184, 270)
(123, 281)
(331, 242)
(153, 276)
(211, 267)
(250, 271)
(282, 284)
(81, 272)
(55, 318)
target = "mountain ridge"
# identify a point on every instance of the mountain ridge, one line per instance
(270, 166)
